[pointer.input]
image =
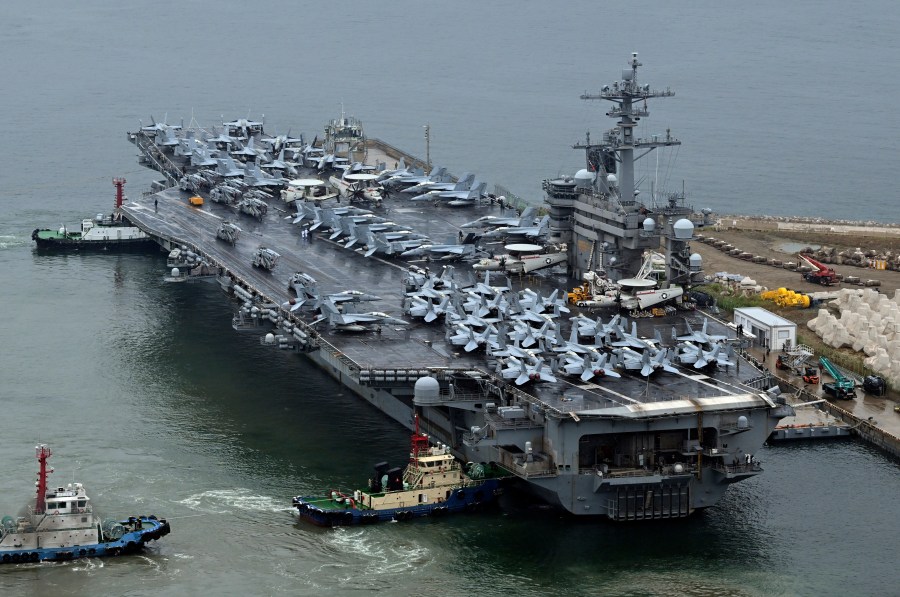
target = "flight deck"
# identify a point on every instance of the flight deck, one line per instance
(170, 217)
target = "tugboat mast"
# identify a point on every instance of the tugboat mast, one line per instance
(43, 453)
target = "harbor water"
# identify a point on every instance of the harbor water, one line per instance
(147, 395)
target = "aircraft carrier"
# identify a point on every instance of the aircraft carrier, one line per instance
(630, 448)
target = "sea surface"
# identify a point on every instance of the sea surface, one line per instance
(147, 395)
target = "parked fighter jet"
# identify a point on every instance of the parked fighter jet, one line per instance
(647, 365)
(437, 175)
(694, 354)
(355, 322)
(523, 372)
(587, 366)
(456, 198)
(530, 232)
(526, 219)
(467, 338)
(431, 187)
(464, 250)
(426, 309)
(156, 127)
(379, 243)
(633, 341)
(243, 127)
(701, 336)
(227, 168)
(246, 152)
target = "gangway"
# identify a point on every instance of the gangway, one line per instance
(796, 357)
(842, 387)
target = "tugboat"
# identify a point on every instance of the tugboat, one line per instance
(110, 233)
(61, 525)
(433, 484)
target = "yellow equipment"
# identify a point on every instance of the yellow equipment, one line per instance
(196, 201)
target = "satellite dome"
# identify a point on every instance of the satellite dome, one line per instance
(426, 391)
(649, 224)
(270, 338)
(695, 262)
(175, 272)
(584, 178)
(611, 179)
(683, 229)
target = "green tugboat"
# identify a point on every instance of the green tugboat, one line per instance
(103, 233)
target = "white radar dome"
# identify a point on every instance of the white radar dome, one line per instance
(684, 229)
(584, 178)
(270, 338)
(175, 272)
(611, 179)
(426, 391)
(649, 224)
(695, 261)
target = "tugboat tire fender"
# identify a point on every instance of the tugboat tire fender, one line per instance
(5, 558)
(36, 557)
(15, 558)
(81, 552)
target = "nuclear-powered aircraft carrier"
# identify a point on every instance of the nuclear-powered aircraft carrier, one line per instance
(629, 448)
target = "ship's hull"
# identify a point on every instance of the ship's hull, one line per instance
(131, 542)
(329, 513)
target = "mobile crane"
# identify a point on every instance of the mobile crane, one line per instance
(842, 387)
(821, 274)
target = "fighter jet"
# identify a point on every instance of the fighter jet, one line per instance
(426, 309)
(255, 177)
(355, 322)
(464, 250)
(520, 231)
(526, 219)
(437, 175)
(246, 152)
(378, 243)
(279, 142)
(701, 336)
(202, 156)
(646, 364)
(227, 168)
(633, 341)
(694, 354)
(588, 366)
(596, 329)
(523, 372)
(467, 338)
(158, 127)
(243, 127)
(428, 187)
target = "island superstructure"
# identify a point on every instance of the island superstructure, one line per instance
(628, 448)
(599, 211)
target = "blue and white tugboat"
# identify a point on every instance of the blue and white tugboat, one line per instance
(433, 484)
(61, 525)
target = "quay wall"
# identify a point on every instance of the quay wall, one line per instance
(865, 429)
